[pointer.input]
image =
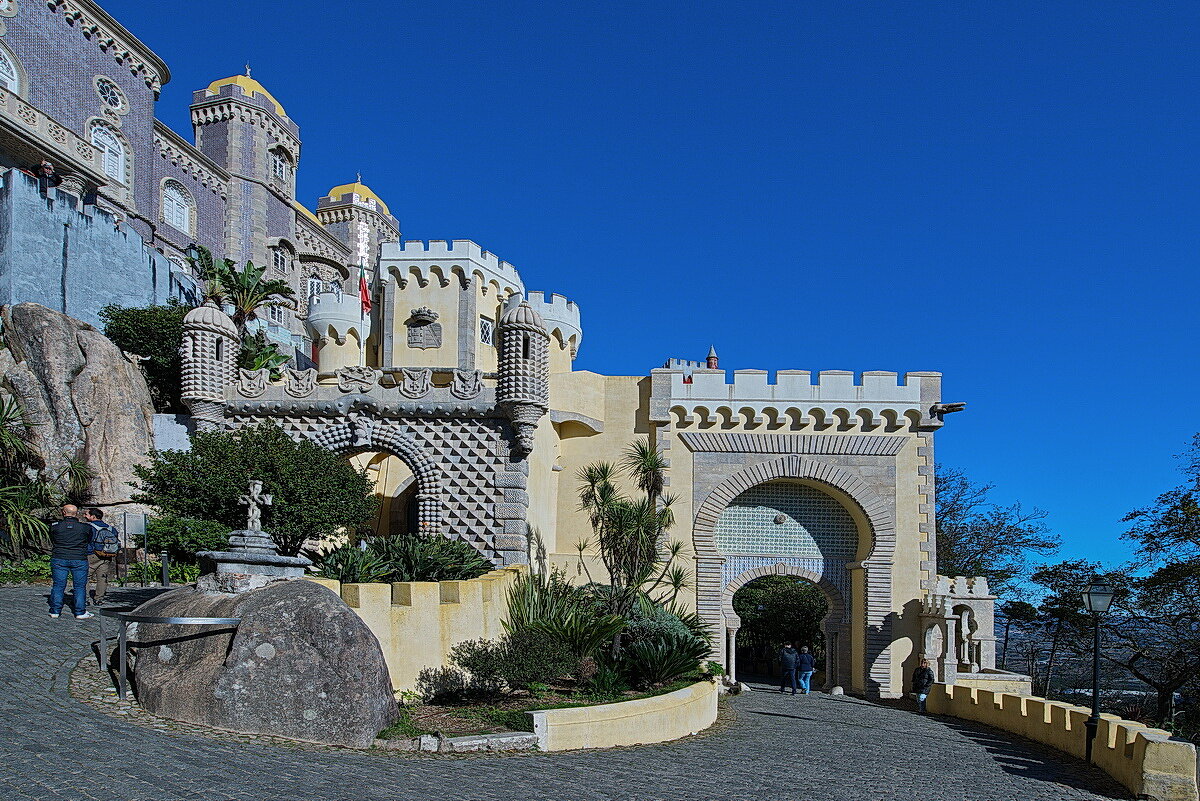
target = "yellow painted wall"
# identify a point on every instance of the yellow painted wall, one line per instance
(1147, 761)
(444, 301)
(646, 720)
(418, 622)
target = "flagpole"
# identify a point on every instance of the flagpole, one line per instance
(362, 316)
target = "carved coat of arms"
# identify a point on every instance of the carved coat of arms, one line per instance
(356, 379)
(416, 382)
(252, 383)
(467, 384)
(300, 383)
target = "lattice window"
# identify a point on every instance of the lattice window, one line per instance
(281, 165)
(112, 153)
(177, 207)
(10, 79)
(786, 519)
(487, 331)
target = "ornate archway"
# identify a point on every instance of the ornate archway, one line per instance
(871, 593)
(360, 434)
(833, 625)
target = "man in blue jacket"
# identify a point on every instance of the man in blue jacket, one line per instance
(70, 537)
(805, 665)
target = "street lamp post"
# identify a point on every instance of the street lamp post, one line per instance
(1096, 600)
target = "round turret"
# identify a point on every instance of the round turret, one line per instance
(209, 353)
(523, 391)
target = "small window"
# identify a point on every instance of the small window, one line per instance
(10, 79)
(315, 286)
(177, 207)
(281, 165)
(277, 315)
(525, 347)
(112, 152)
(487, 331)
(281, 259)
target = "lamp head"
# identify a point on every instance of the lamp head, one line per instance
(1098, 596)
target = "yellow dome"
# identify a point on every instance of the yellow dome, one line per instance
(250, 87)
(360, 189)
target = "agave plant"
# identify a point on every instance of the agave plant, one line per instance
(662, 660)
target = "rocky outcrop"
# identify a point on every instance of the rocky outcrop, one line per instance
(81, 396)
(301, 664)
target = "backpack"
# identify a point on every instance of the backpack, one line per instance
(106, 542)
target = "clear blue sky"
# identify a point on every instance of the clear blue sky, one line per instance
(1005, 192)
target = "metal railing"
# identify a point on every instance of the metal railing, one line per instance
(123, 621)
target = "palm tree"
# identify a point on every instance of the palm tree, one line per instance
(245, 290)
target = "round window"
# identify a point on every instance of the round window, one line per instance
(111, 94)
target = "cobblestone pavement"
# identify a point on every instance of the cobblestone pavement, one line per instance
(777, 747)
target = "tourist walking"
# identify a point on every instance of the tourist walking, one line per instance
(69, 537)
(922, 682)
(805, 665)
(789, 658)
(103, 548)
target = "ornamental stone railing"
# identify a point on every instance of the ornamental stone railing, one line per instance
(40, 136)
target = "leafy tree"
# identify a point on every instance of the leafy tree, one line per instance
(155, 332)
(1061, 611)
(1022, 613)
(1169, 529)
(316, 493)
(978, 538)
(779, 609)
(183, 537)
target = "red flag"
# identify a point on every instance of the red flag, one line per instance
(364, 292)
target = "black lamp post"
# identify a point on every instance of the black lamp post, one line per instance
(1096, 600)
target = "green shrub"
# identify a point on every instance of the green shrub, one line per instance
(34, 568)
(442, 685)
(151, 572)
(482, 660)
(409, 557)
(648, 621)
(183, 537)
(607, 683)
(155, 332)
(348, 564)
(533, 657)
(584, 633)
(416, 557)
(653, 662)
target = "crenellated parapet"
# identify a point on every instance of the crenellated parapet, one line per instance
(561, 317)
(881, 398)
(440, 261)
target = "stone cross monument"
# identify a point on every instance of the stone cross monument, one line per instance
(252, 559)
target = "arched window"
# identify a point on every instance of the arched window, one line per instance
(281, 257)
(177, 207)
(10, 78)
(315, 285)
(112, 152)
(281, 165)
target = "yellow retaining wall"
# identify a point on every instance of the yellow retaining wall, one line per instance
(418, 622)
(646, 720)
(1147, 761)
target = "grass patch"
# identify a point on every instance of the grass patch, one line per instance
(405, 728)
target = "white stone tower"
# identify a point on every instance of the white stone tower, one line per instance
(209, 351)
(523, 391)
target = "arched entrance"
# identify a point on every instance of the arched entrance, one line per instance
(808, 518)
(396, 490)
(770, 610)
(362, 434)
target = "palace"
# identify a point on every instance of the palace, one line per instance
(457, 390)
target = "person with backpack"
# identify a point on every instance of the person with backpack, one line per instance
(789, 657)
(70, 538)
(103, 548)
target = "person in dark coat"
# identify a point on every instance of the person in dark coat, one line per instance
(70, 537)
(922, 683)
(789, 659)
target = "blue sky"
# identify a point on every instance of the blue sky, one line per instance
(1005, 192)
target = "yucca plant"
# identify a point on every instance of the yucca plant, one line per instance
(662, 660)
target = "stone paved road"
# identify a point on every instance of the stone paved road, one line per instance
(779, 747)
